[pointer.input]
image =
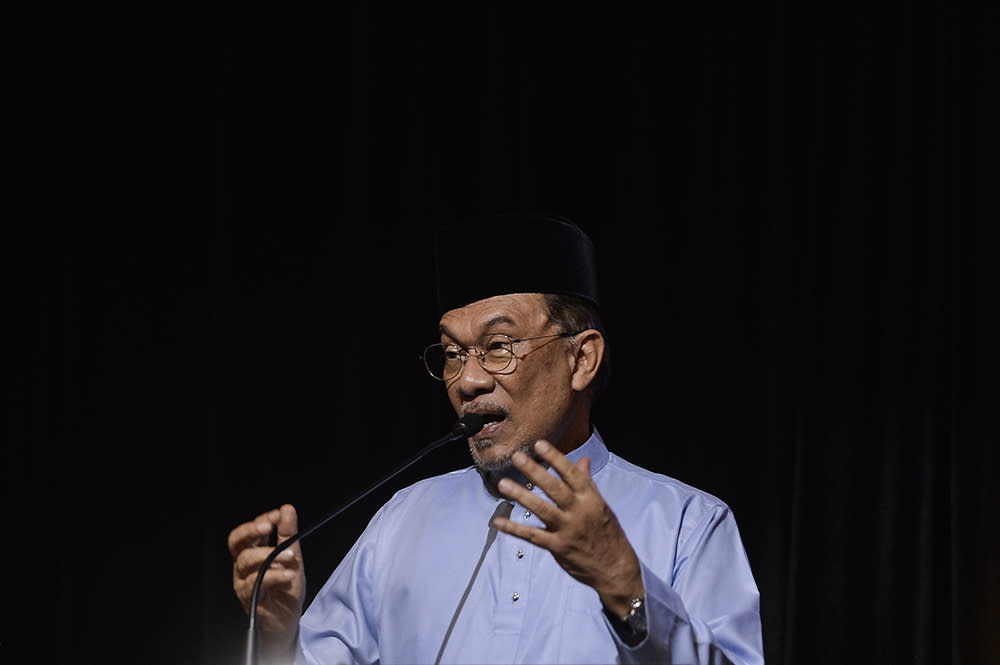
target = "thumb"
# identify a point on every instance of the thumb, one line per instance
(288, 522)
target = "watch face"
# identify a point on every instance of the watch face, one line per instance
(636, 618)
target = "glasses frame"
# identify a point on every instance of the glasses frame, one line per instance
(474, 350)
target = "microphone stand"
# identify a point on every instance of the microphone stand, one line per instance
(467, 426)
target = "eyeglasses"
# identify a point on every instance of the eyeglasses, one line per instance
(495, 352)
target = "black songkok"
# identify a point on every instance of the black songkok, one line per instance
(520, 252)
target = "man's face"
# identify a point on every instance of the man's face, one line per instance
(528, 401)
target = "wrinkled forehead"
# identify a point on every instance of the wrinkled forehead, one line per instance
(516, 314)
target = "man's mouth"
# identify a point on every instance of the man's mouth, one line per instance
(492, 421)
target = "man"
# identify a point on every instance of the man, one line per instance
(550, 548)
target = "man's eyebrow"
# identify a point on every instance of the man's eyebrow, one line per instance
(499, 319)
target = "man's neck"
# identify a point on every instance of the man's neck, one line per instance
(491, 477)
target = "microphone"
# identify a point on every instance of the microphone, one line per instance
(466, 426)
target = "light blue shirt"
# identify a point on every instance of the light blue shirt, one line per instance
(392, 598)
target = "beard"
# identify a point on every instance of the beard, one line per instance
(499, 464)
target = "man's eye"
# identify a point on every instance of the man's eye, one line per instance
(452, 353)
(491, 343)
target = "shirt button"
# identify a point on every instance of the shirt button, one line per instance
(527, 514)
(520, 554)
(530, 486)
(515, 597)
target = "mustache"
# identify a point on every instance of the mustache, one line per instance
(485, 407)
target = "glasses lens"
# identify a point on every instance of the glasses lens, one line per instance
(496, 354)
(443, 362)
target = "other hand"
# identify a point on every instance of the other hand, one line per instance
(282, 592)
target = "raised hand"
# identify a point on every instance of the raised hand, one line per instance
(283, 590)
(582, 532)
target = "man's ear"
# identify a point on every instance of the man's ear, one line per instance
(588, 352)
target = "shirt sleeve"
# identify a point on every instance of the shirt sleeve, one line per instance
(710, 613)
(339, 625)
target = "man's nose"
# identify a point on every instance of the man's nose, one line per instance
(473, 378)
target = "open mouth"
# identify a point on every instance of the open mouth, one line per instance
(492, 420)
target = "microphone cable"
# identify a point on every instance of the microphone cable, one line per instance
(468, 425)
(503, 510)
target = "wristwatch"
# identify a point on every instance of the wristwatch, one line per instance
(631, 627)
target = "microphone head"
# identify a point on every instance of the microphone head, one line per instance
(470, 424)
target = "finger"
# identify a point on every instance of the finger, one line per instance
(284, 576)
(280, 579)
(548, 512)
(251, 559)
(550, 483)
(532, 534)
(245, 535)
(288, 524)
(573, 476)
(252, 533)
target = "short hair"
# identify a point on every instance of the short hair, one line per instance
(570, 313)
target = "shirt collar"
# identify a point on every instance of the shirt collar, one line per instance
(593, 448)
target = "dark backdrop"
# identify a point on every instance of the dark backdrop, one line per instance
(218, 273)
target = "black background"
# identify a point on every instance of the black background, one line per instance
(218, 269)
